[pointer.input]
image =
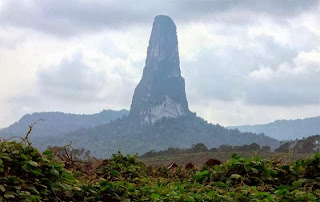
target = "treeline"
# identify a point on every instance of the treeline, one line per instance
(200, 147)
(306, 145)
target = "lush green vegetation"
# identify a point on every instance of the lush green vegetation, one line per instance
(27, 175)
(55, 124)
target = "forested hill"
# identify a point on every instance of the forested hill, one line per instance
(305, 145)
(285, 129)
(57, 123)
(181, 132)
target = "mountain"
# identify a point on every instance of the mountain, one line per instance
(161, 91)
(306, 145)
(285, 129)
(159, 116)
(57, 123)
(180, 132)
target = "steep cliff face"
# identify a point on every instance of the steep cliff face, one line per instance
(161, 91)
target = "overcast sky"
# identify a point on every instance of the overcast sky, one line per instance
(244, 62)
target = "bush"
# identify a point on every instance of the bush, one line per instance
(27, 175)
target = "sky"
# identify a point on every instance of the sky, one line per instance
(244, 62)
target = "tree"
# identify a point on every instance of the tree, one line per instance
(200, 147)
(266, 149)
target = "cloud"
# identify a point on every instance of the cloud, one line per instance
(264, 64)
(113, 58)
(73, 85)
(290, 84)
(75, 81)
(229, 113)
(65, 18)
(71, 80)
(249, 80)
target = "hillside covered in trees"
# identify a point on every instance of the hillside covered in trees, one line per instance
(55, 124)
(308, 145)
(182, 132)
(285, 129)
(305, 145)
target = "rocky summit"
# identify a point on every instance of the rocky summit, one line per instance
(161, 91)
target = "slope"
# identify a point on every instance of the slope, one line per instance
(285, 129)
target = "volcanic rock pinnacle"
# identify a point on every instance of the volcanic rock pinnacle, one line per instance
(161, 91)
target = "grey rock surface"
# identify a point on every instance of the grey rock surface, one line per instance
(161, 91)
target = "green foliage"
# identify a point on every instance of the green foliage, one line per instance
(122, 168)
(127, 137)
(27, 175)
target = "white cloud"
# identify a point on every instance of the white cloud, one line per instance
(292, 83)
(261, 73)
(113, 72)
(309, 59)
(306, 63)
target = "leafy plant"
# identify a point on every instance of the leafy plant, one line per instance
(28, 175)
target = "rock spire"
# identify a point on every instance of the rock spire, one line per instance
(161, 91)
